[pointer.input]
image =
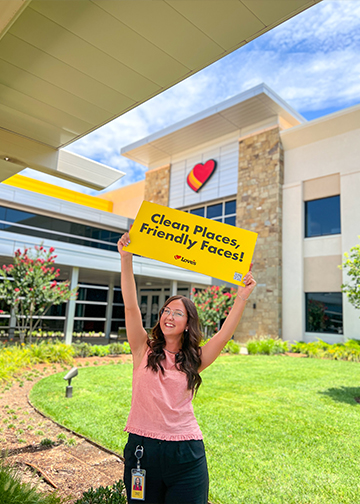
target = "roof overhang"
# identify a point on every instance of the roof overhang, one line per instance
(236, 115)
(68, 67)
(18, 153)
(337, 123)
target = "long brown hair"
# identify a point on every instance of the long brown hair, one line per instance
(188, 359)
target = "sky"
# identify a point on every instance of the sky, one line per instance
(312, 61)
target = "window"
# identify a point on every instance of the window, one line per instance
(42, 226)
(324, 312)
(224, 211)
(322, 217)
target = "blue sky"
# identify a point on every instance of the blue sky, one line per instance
(312, 61)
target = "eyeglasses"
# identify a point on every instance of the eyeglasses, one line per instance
(176, 313)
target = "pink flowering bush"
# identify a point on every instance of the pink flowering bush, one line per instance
(30, 287)
(213, 305)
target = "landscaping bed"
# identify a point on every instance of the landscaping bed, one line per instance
(45, 453)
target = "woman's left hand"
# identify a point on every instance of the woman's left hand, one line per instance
(250, 283)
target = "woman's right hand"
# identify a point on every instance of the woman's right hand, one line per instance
(123, 242)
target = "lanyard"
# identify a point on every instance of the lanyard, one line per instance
(139, 452)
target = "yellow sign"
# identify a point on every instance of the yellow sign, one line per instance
(192, 242)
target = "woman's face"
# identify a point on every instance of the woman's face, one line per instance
(175, 322)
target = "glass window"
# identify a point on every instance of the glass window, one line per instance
(118, 296)
(198, 211)
(40, 221)
(52, 325)
(220, 212)
(87, 294)
(89, 325)
(13, 215)
(322, 217)
(324, 312)
(230, 220)
(57, 310)
(214, 211)
(118, 312)
(230, 207)
(90, 310)
(49, 227)
(115, 324)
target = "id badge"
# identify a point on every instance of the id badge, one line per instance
(138, 484)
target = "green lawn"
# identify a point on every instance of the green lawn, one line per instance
(277, 430)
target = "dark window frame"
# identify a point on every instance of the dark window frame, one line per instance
(322, 209)
(324, 319)
(24, 222)
(206, 208)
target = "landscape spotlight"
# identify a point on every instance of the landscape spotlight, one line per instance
(69, 376)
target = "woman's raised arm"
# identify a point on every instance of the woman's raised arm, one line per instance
(213, 347)
(136, 334)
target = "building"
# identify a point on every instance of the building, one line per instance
(84, 231)
(293, 182)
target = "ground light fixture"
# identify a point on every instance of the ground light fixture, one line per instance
(69, 376)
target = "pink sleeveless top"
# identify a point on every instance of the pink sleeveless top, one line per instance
(161, 406)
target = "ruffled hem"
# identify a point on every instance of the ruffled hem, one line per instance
(164, 436)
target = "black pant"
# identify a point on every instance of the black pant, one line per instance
(176, 471)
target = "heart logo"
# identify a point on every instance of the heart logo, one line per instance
(200, 174)
(177, 257)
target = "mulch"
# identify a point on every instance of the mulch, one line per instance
(71, 464)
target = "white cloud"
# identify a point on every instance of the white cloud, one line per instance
(311, 61)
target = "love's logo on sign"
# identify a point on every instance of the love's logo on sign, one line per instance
(200, 174)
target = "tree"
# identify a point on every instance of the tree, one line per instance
(352, 265)
(213, 305)
(30, 288)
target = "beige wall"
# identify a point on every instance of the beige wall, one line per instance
(322, 187)
(321, 274)
(321, 159)
(126, 200)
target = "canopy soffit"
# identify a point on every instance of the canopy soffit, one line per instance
(67, 67)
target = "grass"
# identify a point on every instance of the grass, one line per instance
(277, 430)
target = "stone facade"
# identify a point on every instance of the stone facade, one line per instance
(157, 185)
(259, 209)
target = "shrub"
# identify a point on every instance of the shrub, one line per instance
(127, 349)
(232, 347)
(12, 490)
(47, 351)
(82, 349)
(350, 350)
(213, 305)
(116, 348)
(107, 495)
(14, 358)
(267, 346)
(100, 350)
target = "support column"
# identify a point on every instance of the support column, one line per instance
(70, 308)
(259, 209)
(109, 308)
(12, 324)
(173, 287)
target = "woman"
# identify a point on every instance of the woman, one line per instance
(137, 486)
(166, 373)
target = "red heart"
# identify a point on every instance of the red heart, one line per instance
(177, 257)
(200, 174)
